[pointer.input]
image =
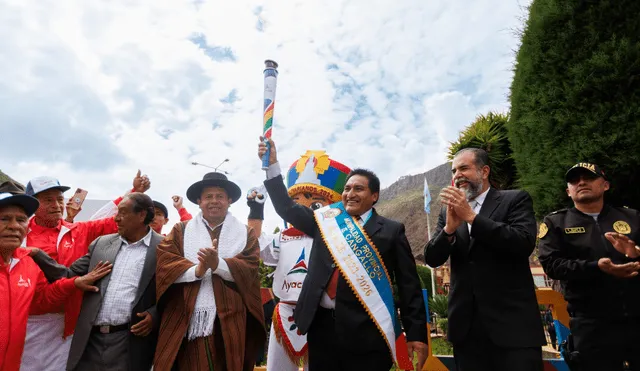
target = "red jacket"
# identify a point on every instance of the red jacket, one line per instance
(24, 287)
(66, 243)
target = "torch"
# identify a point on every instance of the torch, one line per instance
(270, 82)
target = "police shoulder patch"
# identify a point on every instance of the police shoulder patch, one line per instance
(543, 230)
(622, 227)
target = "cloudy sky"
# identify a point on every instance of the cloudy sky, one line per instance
(93, 90)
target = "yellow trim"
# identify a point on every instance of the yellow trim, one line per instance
(326, 192)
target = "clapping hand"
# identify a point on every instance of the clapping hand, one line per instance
(209, 256)
(623, 244)
(456, 199)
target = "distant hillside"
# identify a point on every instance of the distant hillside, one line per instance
(403, 201)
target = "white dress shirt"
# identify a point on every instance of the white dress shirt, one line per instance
(476, 203)
(121, 291)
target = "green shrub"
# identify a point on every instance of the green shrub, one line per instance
(575, 97)
(439, 305)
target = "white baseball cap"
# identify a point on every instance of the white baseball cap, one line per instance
(43, 183)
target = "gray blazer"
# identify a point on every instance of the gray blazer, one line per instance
(105, 248)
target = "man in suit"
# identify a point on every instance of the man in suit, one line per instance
(340, 333)
(117, 327)
(494, 323)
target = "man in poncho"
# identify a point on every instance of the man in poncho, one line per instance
(208, 286)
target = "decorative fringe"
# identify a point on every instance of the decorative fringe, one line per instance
(201, 324)
(281, 337)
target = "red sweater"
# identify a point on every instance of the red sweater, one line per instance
(23, 287)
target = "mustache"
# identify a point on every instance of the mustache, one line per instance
(460, 180)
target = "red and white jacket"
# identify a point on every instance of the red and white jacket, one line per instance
(66, 243)
(24, 289)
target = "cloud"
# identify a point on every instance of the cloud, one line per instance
(93, 91)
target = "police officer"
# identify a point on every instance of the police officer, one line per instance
(591, 248)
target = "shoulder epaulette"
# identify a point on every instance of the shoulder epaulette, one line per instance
(558, 211)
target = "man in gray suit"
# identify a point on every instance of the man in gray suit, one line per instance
(117, 327)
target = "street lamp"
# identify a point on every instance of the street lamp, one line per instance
(211, 167)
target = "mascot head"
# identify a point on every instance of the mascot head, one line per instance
(315, 180)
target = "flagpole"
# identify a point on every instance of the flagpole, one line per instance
(433, 270)
(427, 209)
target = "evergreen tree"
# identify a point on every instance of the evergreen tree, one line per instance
(575, 97)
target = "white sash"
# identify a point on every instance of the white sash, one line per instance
(362, 267)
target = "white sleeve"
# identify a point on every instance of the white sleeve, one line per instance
(273, 171)
(188, 276)
(106, 211)
(223, 271)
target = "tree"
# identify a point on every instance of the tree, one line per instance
(489, 132)
(575, 97)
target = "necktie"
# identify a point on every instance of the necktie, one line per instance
(332, 287)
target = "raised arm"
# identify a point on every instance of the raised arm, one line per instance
(438, 249)
(298, 216)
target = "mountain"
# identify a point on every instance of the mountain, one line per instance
(404, 201)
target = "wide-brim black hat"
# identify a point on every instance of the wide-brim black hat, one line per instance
(159, 205)
(28, 203)
(214, 179)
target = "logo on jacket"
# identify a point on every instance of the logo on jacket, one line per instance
(622, 227)
(24, 283)
(300, 266)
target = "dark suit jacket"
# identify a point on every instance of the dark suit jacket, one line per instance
(490, 276)
(354, 328)
(106, 248)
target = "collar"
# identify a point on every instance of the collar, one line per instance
(366, 215)
(18, 254)
(34, 227)
(209, 225)
(146, 240)
(605, 210)
(481, 197)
